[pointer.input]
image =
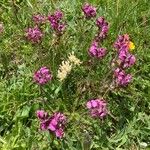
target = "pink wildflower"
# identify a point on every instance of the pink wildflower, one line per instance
(59, 133)
(39, 19)
(129, 61)
(54, 123)
(122, 79)
(44, 119)
(97, 108)
(103, 27)
(89, 10)
(96, 51)
(42, 76)
(56, 22)
(122, 41)
(57, 123)
(34, 34)
(126, 59)
(122, 45)
(41, 114)
(58, 15)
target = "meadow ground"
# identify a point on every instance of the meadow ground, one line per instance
(126, 122)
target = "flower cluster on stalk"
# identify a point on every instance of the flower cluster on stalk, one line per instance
(94, 50)
(55, 123)
(42, 76)
(56, 22)
(34, 34)
(122, 78)
(39, 19)
(124, 60)
(103, 27)
(89, 10)
(97, 108)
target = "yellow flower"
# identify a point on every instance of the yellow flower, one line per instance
(131, 46)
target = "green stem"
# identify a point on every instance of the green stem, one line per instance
(117, 7)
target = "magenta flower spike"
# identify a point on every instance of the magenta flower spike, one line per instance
(42, 76)
(55, 123)
(122, 79)
(103, 26)
(89, 10)
(34, 34)
(97, 108)
(96, 51)
(56, 22)
(39, 19)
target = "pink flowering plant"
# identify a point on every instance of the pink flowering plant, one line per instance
(74, 75)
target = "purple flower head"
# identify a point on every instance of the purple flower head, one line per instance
(42, 76)
(57, 123)
(97, 108)
(58, 14)
(59, 133)
(97, 52)
(123, 51)
(39, 19)
(44, 124)
(101, 22)
(89, 10)
(122, 79)
(122, 41)
(42, 115)
(128, 60)
(103, 33)
(56, 22)
(103, 26)
(44, 119)
(34, 34)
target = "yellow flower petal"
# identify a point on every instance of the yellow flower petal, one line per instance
(131, 46)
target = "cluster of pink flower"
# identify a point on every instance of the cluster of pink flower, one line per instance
(89, 10)
(55, 123)
(39, 19)
(121, 77)
(56, 22)
(42, 76)
(125, 60)
(34, 34)
(96, 51)
(102, 24)
(97, 108)
(125, 57)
